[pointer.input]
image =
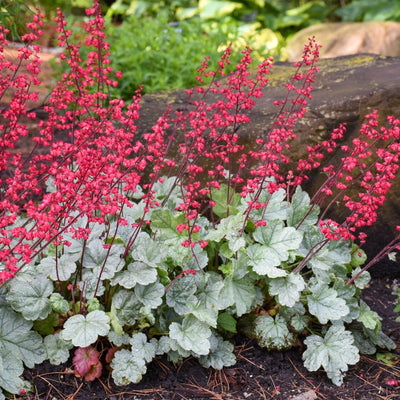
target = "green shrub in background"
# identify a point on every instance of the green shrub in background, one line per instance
(162, 55)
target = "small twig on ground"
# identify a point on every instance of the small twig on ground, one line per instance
(315, 388)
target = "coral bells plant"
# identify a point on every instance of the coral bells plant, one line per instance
(122, 247)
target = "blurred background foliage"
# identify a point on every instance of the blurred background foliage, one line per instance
(161, 43)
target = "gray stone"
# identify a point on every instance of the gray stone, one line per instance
(346, 38)
(345, 90)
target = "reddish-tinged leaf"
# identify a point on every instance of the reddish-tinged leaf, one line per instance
(84, 359)
(94, 372)
(110, 354)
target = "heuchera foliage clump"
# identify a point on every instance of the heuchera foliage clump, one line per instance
(171, 241)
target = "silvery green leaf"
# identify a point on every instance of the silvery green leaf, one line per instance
(58, 269)
(58, 303)
(10, 376)
(31, 297)
(277, 207)
(147, 313)
(57, 349)
(325, 305)
(333, 253)
(177, 352)
(370, 319)
(299, 322)
(116, 339)
(141, 348)
(83, 331)
(203, 313)
(162, 345)
(238, 293)
(295, 316)
(74, 251)
(181, 293)
(287, 289)
(103, 261)
(379, 339)
(164, 223)
(334, 353)
(147, 250)
(128, 307)
(209, 286)
(191, 335)
(392, 256)
(90, 283)
(300, 210)
(362, 342)
(228, 228)
(278, 240)
(17, 338)
(136, 272)
(195, 258)
(221, 354)
(124, 232)
(236, 243)
(363, 279)
(273, 333)
(347, 292)
(126, 368)
(150, 295)
(135, 213)
(264, 261)
(168, 186)
(240, 265)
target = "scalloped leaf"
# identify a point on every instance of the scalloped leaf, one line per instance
(17, 337)
(300, 210)
(83, 331)
(164, 222)
(102, 260)
(263, 264)
(276, 208)
(58, 303)
(141, 348)
(127, 368)
(273, 333)
(127, 306)
(136, 272)
(221, 354)
(10, 377)
(287, 289)
(150, 295)
(370, 319)
(278, 239)
(84, 358)
(181, 293)
(60, 268)
(239, 293)
(325, 305)
(228, 228)
(57, 348)
(191, 335)
(334, 353)
(30, 296)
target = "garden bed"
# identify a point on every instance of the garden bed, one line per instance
(258, 373)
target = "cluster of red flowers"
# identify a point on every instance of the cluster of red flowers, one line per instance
(100, 160)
